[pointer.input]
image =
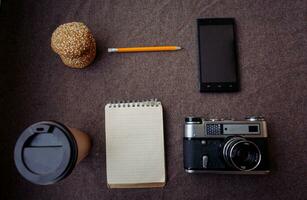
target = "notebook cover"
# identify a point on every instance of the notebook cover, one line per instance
(135, 145)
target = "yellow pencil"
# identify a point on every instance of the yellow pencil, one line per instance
(142, 49)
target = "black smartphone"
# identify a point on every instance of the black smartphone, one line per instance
(218, 63)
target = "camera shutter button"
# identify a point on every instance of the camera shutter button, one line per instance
(254, 118)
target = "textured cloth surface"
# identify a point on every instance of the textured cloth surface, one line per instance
(35, 85)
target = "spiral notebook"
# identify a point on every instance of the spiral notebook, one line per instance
(135, 144)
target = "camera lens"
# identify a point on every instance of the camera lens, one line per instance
(241, 154)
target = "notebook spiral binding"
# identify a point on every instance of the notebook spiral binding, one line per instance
(134, 103)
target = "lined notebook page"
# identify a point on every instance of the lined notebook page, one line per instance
(134, 146)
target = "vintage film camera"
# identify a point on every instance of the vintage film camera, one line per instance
(226, 146)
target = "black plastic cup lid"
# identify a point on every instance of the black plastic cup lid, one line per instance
(45, 153)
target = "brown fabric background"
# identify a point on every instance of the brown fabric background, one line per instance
(36, 86)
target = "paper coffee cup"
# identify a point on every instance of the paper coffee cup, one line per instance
(47, 151)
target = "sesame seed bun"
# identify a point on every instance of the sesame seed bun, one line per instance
(82, 61)
(75, 44)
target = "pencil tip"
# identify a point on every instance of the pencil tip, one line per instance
(179, 48)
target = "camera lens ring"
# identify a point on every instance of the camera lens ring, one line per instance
(258, 159)
(229, 148)
(227, 145)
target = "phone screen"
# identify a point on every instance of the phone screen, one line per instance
(217, 51)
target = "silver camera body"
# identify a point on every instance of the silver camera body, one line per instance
(226, 146)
